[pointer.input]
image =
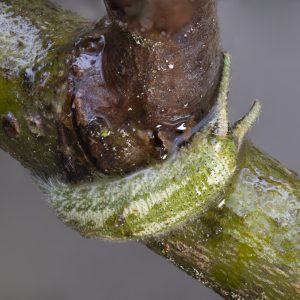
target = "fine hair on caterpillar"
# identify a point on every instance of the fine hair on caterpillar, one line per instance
(159, 197)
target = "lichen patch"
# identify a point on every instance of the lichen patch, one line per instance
(20, 42)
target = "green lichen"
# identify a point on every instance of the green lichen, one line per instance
(34, 49)
(249, 247)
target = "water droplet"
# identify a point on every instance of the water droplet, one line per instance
(182, 127)
(221, 204)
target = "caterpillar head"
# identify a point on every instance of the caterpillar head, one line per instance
(155, 199)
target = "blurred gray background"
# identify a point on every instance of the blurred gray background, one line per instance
(41, 259)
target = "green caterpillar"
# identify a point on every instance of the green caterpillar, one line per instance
(162, 196)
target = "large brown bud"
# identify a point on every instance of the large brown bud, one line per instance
(143, 79)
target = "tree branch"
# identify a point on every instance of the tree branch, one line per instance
(79, 101)
(247, 245)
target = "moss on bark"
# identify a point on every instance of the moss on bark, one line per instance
(248, 247)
